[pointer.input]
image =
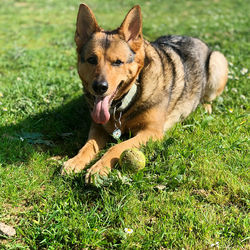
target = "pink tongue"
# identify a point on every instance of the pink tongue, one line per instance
(100, 113)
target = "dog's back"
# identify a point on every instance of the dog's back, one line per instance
(179, 75)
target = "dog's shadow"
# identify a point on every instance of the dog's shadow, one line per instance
(60, 132)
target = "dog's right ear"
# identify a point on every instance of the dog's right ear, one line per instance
(131, 28)
(86, 25)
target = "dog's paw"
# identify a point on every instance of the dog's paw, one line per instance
(73, 165)
(208, 108)
(97, 170)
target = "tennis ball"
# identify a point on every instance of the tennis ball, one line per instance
(132, 160)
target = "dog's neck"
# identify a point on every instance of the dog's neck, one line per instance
(123, 104)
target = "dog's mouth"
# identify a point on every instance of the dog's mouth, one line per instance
(100, 113)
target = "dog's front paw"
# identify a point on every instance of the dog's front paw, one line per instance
(99, 169)
(73, 165)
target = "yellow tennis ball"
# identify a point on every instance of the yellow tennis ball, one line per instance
(132, 159)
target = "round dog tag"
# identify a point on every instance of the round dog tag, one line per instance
(117, 133)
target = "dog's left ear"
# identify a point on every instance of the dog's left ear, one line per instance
(86, 25)
(131, 28)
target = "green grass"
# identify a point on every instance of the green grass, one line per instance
(203, 163)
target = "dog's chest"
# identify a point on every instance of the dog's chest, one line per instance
(114, 126)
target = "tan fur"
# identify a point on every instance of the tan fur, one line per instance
(218, 73)
(169, 91)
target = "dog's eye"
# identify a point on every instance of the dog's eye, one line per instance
(117, 63)
(92, 60)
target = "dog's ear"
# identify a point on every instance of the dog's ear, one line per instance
(86, 25)
(131, 28)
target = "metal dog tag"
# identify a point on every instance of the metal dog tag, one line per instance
(117, 133)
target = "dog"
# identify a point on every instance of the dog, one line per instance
(139, 87)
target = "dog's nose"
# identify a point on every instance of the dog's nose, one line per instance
(100, 87)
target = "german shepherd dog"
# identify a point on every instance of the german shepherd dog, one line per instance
(138, 87)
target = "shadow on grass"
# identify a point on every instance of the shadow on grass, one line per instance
(61, 131)
(66, 128)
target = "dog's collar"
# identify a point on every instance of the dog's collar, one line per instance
(122, 104)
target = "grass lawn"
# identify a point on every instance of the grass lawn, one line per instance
(194, 191)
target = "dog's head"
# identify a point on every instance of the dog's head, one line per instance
(108, 61)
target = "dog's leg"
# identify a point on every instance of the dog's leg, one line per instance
(208, 107)
(104, 165)
(97, 139)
